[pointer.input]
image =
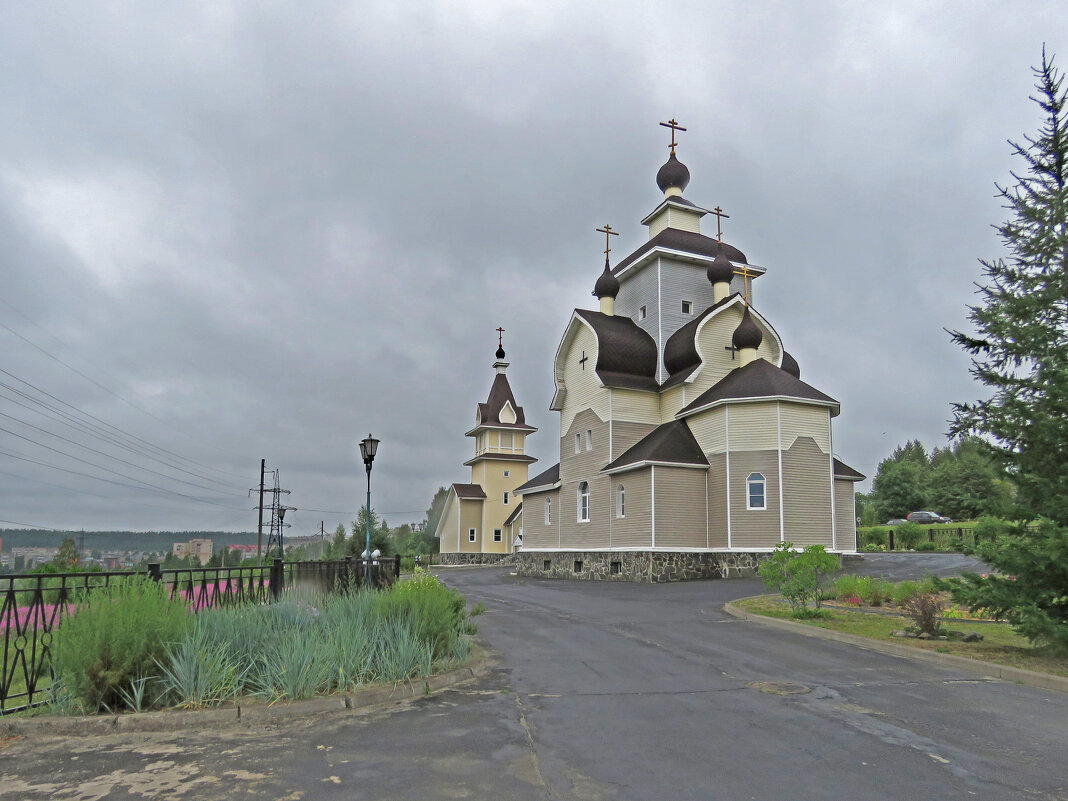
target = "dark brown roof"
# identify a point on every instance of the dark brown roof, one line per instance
(686, 241)
(842, 470)
(680, 352)
(671, 442)
(500, 393)
(514, 514)
(550, 476)
(626, 355)
(507, 457)
(758, 379)
(469, 491)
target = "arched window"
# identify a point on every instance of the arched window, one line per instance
(584, 502)
(621, 502)
(756, 492)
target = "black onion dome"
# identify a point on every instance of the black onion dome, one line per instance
(720, 271)
(500, 352)
(673, 174)
(607, 285)
(789, 364)
(747, 335)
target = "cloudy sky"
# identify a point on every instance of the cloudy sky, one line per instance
(234, 231)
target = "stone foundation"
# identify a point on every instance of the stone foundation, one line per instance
(650, 567)
(475, 559)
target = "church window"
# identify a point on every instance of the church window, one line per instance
(687, 307)
(578, 443)
(548, 511)
(584, 502)
(641, 313)
(621, 502)
(471, 535)
(507, 473)
(589, 439)
(506, 440)
(506, 499)
(497, 535)
(756, 495)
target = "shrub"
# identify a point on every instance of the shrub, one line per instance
(847, 586)
(114, 640)
(875, 535)
(876, 591)
(873, 548)
(908, 535)
(988, 529)
(798, 576)
(200, 670)
(903, 592)
(925, 610)
(927, 546)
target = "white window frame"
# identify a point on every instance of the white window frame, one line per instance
(548, 511)
(583, 510)
(506, 499)
(471, 534)
(687, 307)
(751, 481)
(578, 442)
(498, 535)
(621, 502)
(589, 439)
(641, 313)
(507, 473)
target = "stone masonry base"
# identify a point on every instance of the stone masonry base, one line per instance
(455, 559)
(649, 567)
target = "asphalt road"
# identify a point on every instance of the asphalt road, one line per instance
(614, 691)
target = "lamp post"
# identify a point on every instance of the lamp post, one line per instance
(368, 449)
(281, 532)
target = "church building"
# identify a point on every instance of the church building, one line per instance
(689, 445)
(478, 523)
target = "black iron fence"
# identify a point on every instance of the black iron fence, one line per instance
(34, 605)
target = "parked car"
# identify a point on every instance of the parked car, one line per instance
(897, 521)
(926, 518)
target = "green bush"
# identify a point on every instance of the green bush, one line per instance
(114, 640)
(927, 546)
(798, 575)
(908, 535)
(903, 592)
(876, 591)
(873, 548)
(847, 586)
(988, 529)
(874, 535)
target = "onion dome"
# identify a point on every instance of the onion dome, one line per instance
(747, 335)
(607, 285)
(500, 352)
(673, 175)
(720, 271)
(789, 364)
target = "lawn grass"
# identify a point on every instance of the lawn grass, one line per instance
(1000, 644)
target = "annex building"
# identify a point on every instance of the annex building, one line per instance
(689, 445)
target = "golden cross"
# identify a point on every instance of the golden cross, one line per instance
(746, 276)
(608, 232)
(500, 337)
(719, 221)
(674, 126)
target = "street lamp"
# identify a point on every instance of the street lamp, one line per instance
(368, 449)
(281, 531)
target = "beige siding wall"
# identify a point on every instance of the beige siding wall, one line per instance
(634, 406)
(710, 430)
(671, 401)
(626, 435)
(471, 518)
(585, 466)
(584, 389)
(717, 333)
(495, 484)
(535, 533)
(754, 528)
(680, 500)
(806, 474)
(717, 501)
(447, 525)
(634, 530)
(845, 515)
(799, 420)
(753, 426)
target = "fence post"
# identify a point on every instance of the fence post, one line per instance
(154, 571)
(891, 539)
(930, 535)
(396, 566)
(277, 578)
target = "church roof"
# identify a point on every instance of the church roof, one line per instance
(489, 413)
(541, 481)
(842, 470)
(514, 515)
(503, 457)
(626, 354)
(467, 492)
(686, 241)
(680, 352)
(670, 443)
(758, 379)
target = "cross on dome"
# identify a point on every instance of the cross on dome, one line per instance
(608, 233)
(500, 342)
(674, 126)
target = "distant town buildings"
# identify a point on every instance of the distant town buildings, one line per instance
(199, 551)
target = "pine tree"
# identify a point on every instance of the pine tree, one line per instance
(1020, 349)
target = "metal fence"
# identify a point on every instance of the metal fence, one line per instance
(35, 605)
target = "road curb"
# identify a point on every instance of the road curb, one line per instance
(246, 713)
(1030, 678)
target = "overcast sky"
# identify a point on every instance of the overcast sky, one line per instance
(262, 230)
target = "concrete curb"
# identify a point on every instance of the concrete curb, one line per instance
(1030, 678)
(249, 712)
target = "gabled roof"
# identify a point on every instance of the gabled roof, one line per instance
(670, 443)
(685, 241)
(513, 515)
(758, 379)
(541, 481)
(842, 470)
(469, 492)
(489, 413)
(626, 354)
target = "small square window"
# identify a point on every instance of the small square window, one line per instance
(641, 313)
(546, 564)
(497, 535)
(578, 565)
(616, 568)
(507, 473)
(471, 535)
(687, 307)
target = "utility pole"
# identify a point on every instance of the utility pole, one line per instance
(259, 528)
(278, 512)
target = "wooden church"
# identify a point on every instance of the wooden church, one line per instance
(689, 445)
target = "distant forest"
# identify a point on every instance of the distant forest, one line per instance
(147, 541)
